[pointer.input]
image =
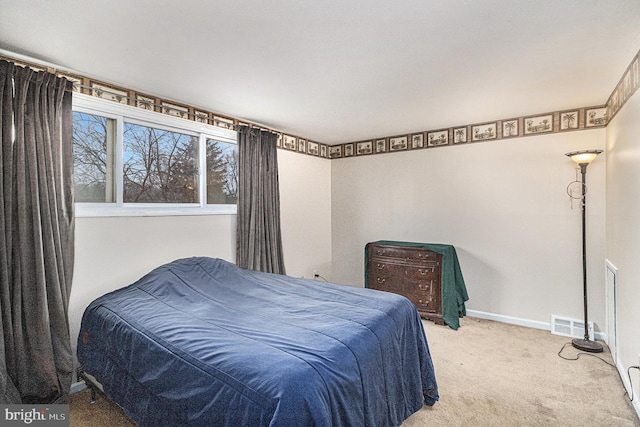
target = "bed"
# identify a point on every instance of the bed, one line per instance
(202, 342)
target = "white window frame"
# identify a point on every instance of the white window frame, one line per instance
(122, 113)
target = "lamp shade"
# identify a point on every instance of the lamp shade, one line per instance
(583, 156)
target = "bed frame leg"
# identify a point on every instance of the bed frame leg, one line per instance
(89, 384)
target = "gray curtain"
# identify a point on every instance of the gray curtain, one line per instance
(37, 235)
(259, 243)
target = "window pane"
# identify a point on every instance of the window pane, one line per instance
(93, 159)
(222, 172)
(160, 166)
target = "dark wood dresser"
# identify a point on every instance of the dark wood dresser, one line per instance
(414, 272)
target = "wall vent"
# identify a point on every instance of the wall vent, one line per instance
(570, 327)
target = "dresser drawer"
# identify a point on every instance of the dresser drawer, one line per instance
(425, 303)
(428, 271)
(424, 298)
(404, 279)
(388, 277)
(402, 253)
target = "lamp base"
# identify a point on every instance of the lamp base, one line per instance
(587, 345)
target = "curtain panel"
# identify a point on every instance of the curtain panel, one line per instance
(259, 240)
(37, 235)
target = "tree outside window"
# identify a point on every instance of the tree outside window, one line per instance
(93, 164)
(158, 166)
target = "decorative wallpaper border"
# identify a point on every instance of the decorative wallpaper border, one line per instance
(129, 97)
(626, 87)
(555, 122)
(544, 123)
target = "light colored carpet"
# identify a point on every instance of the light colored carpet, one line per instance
(495, 374)
(489, 374)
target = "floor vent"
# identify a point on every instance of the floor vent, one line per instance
(570, 327)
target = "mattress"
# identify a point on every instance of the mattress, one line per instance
(202, 342)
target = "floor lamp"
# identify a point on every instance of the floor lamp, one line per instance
(583, 158)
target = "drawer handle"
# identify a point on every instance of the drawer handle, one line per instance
(427, 271)
(380, 280)
(380, 266)
(380, 252)
(423, 287)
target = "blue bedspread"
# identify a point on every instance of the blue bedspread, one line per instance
(202, 342)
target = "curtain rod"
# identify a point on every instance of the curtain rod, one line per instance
(36, 67)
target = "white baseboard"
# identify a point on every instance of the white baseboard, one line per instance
(510, 319)
(536, 324)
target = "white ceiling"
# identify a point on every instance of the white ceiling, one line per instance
(340, 70)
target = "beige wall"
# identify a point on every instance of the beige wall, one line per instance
(305, 201)
(623, 229)
(502, 204)
(114, 252)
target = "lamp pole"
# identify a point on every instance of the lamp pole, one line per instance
(583, 158)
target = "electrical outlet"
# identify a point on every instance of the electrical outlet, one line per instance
(315, 274)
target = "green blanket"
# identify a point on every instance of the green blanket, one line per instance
(454, 291)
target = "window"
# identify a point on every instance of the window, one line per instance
(130, 161)
(93, 157)
(160, 166)
(222, 172)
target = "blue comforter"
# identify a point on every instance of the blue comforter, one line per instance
(202, 342)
